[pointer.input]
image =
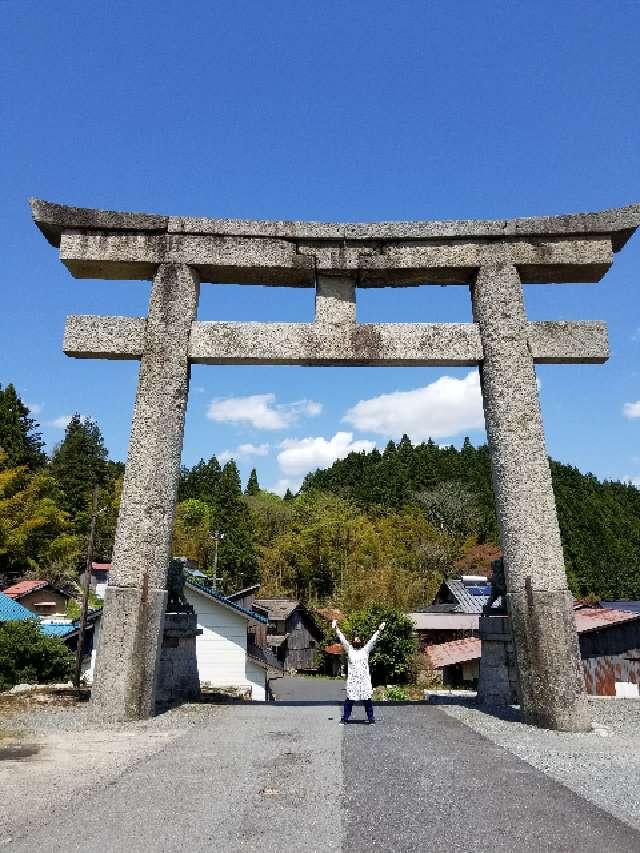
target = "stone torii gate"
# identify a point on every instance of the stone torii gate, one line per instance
(493, 258)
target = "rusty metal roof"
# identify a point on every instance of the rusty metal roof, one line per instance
(455, 651)
(24, 588)
(593, 618)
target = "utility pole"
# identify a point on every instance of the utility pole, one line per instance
(85, 587)
(217, 536)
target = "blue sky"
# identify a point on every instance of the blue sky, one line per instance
(332, 111)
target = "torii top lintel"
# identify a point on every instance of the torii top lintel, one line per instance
(116, 245)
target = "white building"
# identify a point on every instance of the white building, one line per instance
(225, 659)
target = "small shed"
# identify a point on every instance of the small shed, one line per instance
(226, 660)
(293, 635)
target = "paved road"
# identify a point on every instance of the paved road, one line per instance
(291, 778)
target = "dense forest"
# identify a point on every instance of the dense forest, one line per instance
(374, 527)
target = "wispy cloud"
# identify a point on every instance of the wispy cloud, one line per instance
(280, 488)
(631, 410)
(299, 456)
(261, 411)
(35, 408)
(446, 407)
(61, 422)
(243, 451)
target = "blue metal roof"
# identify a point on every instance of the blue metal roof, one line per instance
(631, 606)
(212, 593)
(13, 610)
(58, 630)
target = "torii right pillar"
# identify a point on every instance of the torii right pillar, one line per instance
(539, 602)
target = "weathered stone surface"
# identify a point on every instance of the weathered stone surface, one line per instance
(87, 336)
(128, 653)
(335, 300)
(143, 534)
(525, 504)
(178, 678)
(568, 342)
(408, 344)
(324, 344)
(123, 255)
(549, 665)
(498, 682)
(133, 614)
(620, 222)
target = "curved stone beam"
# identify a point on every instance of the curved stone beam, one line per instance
(616, 223)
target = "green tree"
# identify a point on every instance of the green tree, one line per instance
(200, 482)
(237, 559)
(192, 532)
(29, 657)
(79, 462)
(253, 487)
(393, 659)
(33, 526)
(19, 438)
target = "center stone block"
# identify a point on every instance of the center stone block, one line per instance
(335, 300)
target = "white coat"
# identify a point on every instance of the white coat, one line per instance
(358, 680)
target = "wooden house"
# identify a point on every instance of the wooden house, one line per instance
(293, 635)
(41, 598)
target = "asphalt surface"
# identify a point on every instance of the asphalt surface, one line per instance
(288, 777)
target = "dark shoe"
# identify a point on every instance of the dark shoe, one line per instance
(371, 721)
(342, 720)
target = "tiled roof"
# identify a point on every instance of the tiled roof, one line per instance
(24, 587)
(242, 592)
(334, 649)
(278, 608)
(593, 618)
(101, 567)
(11, 610)
(212, 593)
(456, 651)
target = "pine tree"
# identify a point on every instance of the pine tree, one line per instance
(201, 482)
(19, 438)
(79, 463)
(236, 554)
(288, 495)
(253, 487)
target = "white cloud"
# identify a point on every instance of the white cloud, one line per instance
(198, 389)
(298, 456)
(633, 481)
(281, 486)
(632, 410)
(446, 407)
(243, 451)
(34, 408)
(261, 411)
(61, 423)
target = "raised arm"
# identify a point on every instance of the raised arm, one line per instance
(343, 640)
(374, 638)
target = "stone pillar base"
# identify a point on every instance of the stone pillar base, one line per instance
(128, 654)
(551, 674)
(498, 682)
(178, 677)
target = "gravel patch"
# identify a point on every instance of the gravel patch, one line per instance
(603, 766)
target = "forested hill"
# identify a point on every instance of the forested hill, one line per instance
(599, 521)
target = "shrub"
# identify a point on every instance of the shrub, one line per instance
(393, 693)
(28, 656)
(393, 658)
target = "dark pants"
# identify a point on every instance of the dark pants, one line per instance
(348, 708)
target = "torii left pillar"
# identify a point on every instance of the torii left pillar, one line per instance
(136, 597)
